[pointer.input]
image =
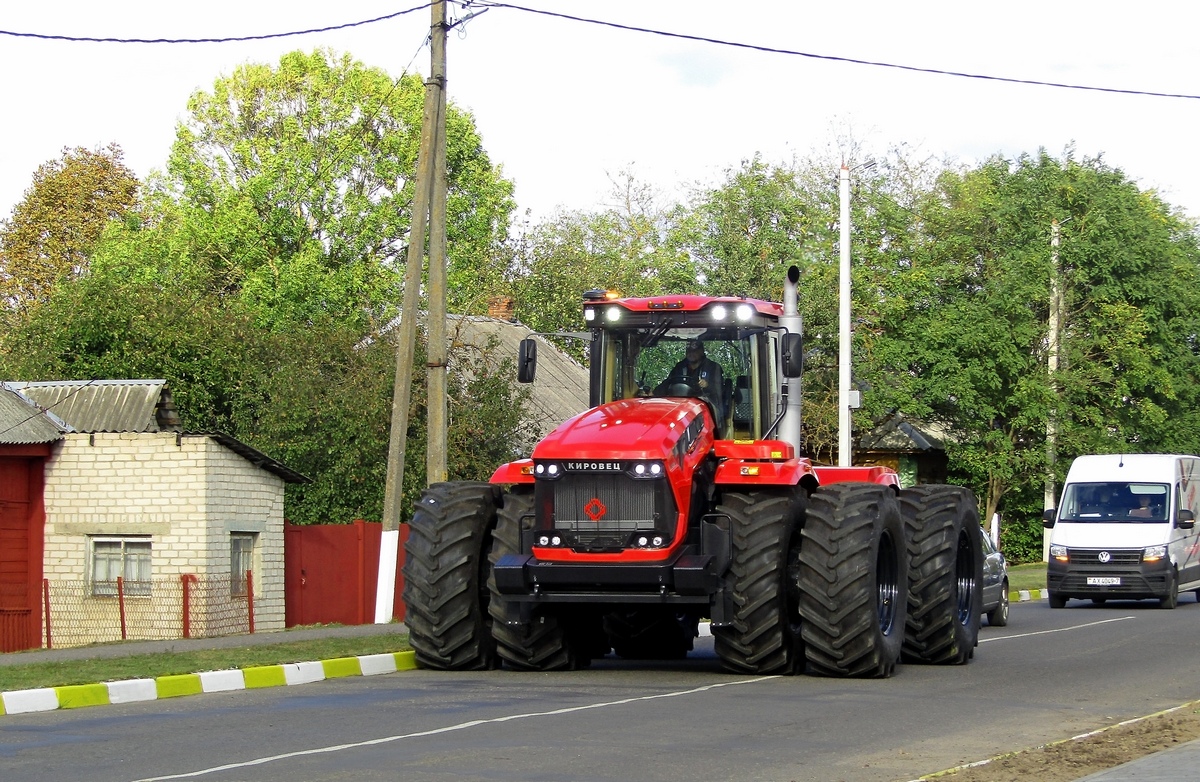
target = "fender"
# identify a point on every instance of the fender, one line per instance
(520, 471)
(885, 476)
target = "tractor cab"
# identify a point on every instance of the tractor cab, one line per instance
(724, 351)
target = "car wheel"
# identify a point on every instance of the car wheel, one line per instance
(1057, 600)
(998, 616)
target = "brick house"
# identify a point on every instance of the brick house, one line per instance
(128, 494)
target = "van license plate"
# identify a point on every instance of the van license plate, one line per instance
(1104, 581)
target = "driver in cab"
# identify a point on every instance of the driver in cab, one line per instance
(700, 374)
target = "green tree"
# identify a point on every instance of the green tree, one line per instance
(311, 166)
(628, 247)
(964, 338)
(52, 231)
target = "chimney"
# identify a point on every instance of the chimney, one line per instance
(501, 307)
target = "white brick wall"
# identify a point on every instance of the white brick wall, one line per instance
(188, 497)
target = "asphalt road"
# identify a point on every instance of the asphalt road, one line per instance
(1051, 674)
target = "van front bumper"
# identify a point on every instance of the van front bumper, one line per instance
(1125, 576)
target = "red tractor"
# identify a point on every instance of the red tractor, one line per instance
(681, 495)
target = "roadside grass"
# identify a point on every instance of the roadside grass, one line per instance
(1028, 576)
(149, 666)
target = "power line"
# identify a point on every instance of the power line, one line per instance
(230, 39)
(835, 58)
(617, 26)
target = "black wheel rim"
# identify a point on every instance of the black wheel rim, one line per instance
(964, 572)
(887, 574)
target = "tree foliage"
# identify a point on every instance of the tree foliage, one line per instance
(312, 165)
(52, 231)
(262, 271)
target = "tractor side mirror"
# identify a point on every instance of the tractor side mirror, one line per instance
(527, 360)
(1048, 517)
(1185, 519)
(793, 354)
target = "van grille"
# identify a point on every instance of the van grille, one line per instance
(1119, 556)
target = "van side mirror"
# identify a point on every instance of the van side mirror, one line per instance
(792, 360)
(1048, 517)
(1185, 519)
(526, 360)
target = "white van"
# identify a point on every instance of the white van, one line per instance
(1125, 529)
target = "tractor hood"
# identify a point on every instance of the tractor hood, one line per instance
(651, 428)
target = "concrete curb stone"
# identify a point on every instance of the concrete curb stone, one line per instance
(131, 690)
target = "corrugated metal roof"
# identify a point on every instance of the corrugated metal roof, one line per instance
(125, 406)
(101, 405)
(23, 423)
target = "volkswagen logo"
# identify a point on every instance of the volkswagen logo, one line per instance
(1104, 556)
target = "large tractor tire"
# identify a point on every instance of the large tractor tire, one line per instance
(546, 643)
(445, 577)
(853, 581)
(651, 633)
(945, 590)
(764, 636)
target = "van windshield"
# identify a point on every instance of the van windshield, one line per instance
(1116, 502)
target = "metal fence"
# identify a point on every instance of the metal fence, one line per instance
(77, 613)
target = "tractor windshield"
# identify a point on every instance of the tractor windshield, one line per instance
(721, 366)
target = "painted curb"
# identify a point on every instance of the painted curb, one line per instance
(132, 690)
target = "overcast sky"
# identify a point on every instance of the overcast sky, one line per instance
(564, 105)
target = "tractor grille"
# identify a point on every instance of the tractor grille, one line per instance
(604, 510)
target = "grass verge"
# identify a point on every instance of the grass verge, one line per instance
(149, 666)
(1028, 576)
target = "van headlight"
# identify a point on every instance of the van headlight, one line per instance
(1059, 553)
(1154, 553)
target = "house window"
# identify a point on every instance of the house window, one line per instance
(241, 559)
(127, 558)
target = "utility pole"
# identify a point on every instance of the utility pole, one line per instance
(435, 453)
(424, 208)
(845, 457)
(1052, 347)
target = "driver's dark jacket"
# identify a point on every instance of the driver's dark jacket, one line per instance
(710, 371)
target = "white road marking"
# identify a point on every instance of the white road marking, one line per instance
(448, 729)
(1059, 630)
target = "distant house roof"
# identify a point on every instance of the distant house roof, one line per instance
(24, 423)
(136, 406)
(560, 387)
(902, 435)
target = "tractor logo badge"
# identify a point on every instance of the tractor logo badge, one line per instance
(595, 509)
(1104, 556)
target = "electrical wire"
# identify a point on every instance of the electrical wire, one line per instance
(833, 58)
(485, 4)
(230, 39)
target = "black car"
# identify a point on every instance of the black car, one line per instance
(995, 584)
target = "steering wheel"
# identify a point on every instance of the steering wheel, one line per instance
(684, 385)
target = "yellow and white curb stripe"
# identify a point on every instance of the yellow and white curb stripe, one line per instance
(1025, 595)
(132, 690)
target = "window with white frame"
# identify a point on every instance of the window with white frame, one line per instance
(241, 559)
(127, 558)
